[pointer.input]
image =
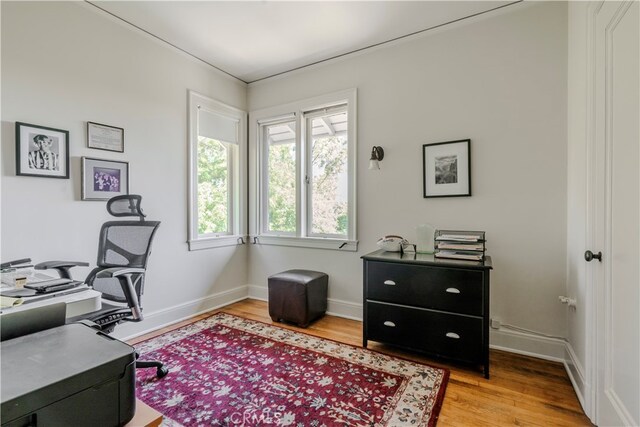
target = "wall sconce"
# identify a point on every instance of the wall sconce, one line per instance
(377, 154)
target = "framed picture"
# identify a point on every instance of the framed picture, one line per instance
(447, 169)
(105, 137)
(42, 151)
(104, 179)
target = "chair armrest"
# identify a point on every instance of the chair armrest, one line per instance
(63, 267)
(123, 274)
(112, 272)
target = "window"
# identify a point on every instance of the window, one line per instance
(327, 172)
(280, 178)
(215, 171)
(305, 175)
(217, 162)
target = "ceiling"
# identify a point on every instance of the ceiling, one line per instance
(253, 40)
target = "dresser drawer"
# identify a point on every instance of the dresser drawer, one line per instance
(442, 334)
(447, 289)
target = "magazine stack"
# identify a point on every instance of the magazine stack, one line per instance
(465, 245)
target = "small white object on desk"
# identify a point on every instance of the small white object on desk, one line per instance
(391, 243)
(78, 302)
(425, 233)
(6, 302)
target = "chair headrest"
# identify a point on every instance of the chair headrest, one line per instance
(126, 205)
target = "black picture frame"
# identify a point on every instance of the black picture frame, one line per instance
(446, 169)
(42, 151)
(105, 137)
(103, 179)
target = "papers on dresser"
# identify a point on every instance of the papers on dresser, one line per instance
(461, 246)
(458, 237)
(460, 255)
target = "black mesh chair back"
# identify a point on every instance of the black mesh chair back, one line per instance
(124, 244)
(126, 205)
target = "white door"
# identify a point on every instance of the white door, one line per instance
(615, 210)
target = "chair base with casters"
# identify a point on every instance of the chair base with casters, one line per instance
(161, 370)
(123, 252)
(105, 320)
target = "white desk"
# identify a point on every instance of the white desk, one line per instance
(78, 303)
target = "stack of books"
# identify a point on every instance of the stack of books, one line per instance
(456, 244)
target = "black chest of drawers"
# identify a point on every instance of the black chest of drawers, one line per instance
(435, 306)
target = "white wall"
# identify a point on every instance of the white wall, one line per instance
(65, 63)
(500, 80)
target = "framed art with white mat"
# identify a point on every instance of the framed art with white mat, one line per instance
(447, 169)
(103, 179)
(42, 151)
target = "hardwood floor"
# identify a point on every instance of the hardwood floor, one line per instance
(522, 391)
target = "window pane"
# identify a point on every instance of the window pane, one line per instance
(213, 186)
(329, 189)
(281, 177)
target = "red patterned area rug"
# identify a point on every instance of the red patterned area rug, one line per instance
(230, 371)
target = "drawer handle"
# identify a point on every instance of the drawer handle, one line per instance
(389, 282)
(453, 335)
(453, 290)
(389, 324)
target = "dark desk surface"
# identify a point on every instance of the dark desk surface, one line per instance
(427, 259)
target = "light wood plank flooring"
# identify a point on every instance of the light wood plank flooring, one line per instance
(522, 391)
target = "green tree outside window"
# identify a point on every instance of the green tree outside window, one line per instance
(213, 186)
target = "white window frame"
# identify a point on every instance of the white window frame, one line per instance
(258, 216)
(236, 174)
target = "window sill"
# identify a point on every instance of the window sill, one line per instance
(216, 242)
(307, 242)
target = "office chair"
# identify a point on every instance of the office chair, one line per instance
(123, 253)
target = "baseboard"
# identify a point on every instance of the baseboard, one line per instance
(258, 292)
(527, 344)
(346, 309)
(168, 316)
(335, 307)
(575, 371)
